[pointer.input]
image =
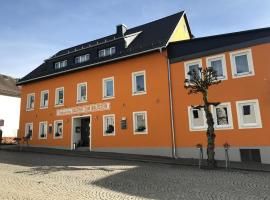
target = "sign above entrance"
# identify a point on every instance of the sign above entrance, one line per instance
(84, 109)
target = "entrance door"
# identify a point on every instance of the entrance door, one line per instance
(85, 131)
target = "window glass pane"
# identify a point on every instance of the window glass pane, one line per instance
(58, 129)
(109, 88)
(83, 91)
(222, 116)
(194, 69)
(45, 99)
(241, 63)
(112, 50)
(139, 83)
(249, 116)
(109, 125)
(217, 66)
(140, 122)
(60, 96)
(107, 51)
(198, 119)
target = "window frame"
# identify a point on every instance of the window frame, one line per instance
(79, 100)
(104, 54)
(223, 62)
(256, 105)
(46, 130)
(190, 120)
(104, 88)
(191, 62)
(104, 125)
(57, 97)
(42, 93)
(25, 129)
(229, 115)
(54, 129)
(134, 88)
(28, 108)
(134, 123)
(247, 52)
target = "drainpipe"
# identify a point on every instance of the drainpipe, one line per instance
(174, 154)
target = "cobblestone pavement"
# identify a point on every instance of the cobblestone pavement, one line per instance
(42, 176)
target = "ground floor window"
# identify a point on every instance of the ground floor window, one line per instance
(109, 125)
(222, 115)
(140, 122)
(42, 130)
(248, 113)
(197, 119)
(28, 130)
(58, 129)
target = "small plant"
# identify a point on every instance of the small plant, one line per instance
(110, 129)
(57, 134)
(141, 128)
(42, 135)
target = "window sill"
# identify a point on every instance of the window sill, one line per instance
(107, 98)
(81, 102)
(58, 105)
(243, 75)
(29, 109)
(43, 108)
(197, 129)
(223, 127)
(42, 138)
(138, 93)
(107, 135)
(250, 126)
(59, 137)
(140, 133)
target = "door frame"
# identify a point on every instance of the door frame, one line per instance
(90, 129)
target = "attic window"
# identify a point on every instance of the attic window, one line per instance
(61, 64)
(82, 58)
(106, 52)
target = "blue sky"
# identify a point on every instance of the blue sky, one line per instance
(33, 30)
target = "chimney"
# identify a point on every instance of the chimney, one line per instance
(120, 30)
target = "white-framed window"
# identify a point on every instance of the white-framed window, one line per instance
(197, 119)
(140, 122)
(28, 130)
(44, 99)
(138, 83)
(60, 64)
(82, 58)
(58, 129)
(242, 63)
(109, 124)
(81, 92)
(59, 96)
(106, 52)
(43, 130)
(108, 87)
(193, 65)
(30, 101)
(218, 63)
(248, 113)
(222, 115)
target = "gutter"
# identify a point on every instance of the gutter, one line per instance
(86, 66)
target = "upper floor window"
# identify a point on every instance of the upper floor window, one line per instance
(42, 130)
(28, 130)
(218, 64)
(82, 92)
(44, 99)
(59, 96)
(193, 67)
(60, 64)
(106, 52)
(248, 113)
(242, 63)
(138, 83)
(30, 101)
(83, 58)
(140, 122)
(109, 125)
(222, 115)
(108, 87)
(197, 119)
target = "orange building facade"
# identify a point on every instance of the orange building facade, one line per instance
(125, 93)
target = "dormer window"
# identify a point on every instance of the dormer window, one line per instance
(83, 58)
(106, 52)
(60, 64)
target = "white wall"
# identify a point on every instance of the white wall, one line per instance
(10, 112)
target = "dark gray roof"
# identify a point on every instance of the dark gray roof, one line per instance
(151, 36)
(8, 86)
(198, 47)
